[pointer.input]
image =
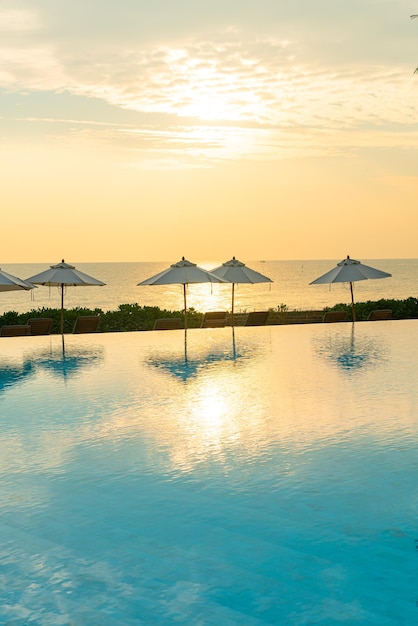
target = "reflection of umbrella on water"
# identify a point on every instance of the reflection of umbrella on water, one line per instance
(67, 361)
(185, 366)
(349, 271)
(12, 374)
(236, 272)
(351, 352)
(182, 273)
(63, 275)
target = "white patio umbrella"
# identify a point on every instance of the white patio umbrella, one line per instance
(8, 282)
(63, 275)
(182, 273)
(349, 271)
(12, 283)
(235, 272)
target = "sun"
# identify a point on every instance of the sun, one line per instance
(209, 108)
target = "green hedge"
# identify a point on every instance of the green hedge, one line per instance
(401, 309)
(136, 317)
(126, 317)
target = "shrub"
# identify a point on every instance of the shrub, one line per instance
(128, 317)
(401, 309)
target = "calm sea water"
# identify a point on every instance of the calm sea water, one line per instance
(290, 286)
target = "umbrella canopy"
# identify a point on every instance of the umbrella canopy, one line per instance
(349, 271)
(12, 283)
(235, 272)
(183, 273)
(63, 275)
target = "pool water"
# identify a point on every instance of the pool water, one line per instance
(265, 476)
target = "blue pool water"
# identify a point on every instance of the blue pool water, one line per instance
(263, 478)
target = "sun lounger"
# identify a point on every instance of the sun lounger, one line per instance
(214, 319)
(335, 316)
(14, 330)
(40, 325)
(300, 317)
(86, 324)
(167, 323)
(380, 314)
(256, 318)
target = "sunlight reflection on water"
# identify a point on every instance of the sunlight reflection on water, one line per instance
(142, 463)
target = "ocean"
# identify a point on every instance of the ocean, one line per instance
(290, 287)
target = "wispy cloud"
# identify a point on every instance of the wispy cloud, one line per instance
(233, 93)
(16, 20)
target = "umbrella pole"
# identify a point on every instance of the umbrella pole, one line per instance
(353, 309)
(185, 306)
(232, 307)
(62, 308)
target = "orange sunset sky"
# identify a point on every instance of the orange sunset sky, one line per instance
(140, 131)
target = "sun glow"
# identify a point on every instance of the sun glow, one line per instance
(205, 89)
(211, 410)
(209, 108)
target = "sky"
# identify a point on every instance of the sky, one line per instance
(141, 131)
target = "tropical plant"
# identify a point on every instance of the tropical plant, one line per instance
(412, 18)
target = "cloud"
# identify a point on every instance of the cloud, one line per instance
(260, 82)
(237, 82)
(14, 20)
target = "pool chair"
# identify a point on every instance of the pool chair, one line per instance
(167, 323)
(256, 318)
(380, 314)
(40, 325)
(86, 324)
(214, 319)
(335, 316)
(15, 330)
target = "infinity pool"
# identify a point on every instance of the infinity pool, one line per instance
(265, 477)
